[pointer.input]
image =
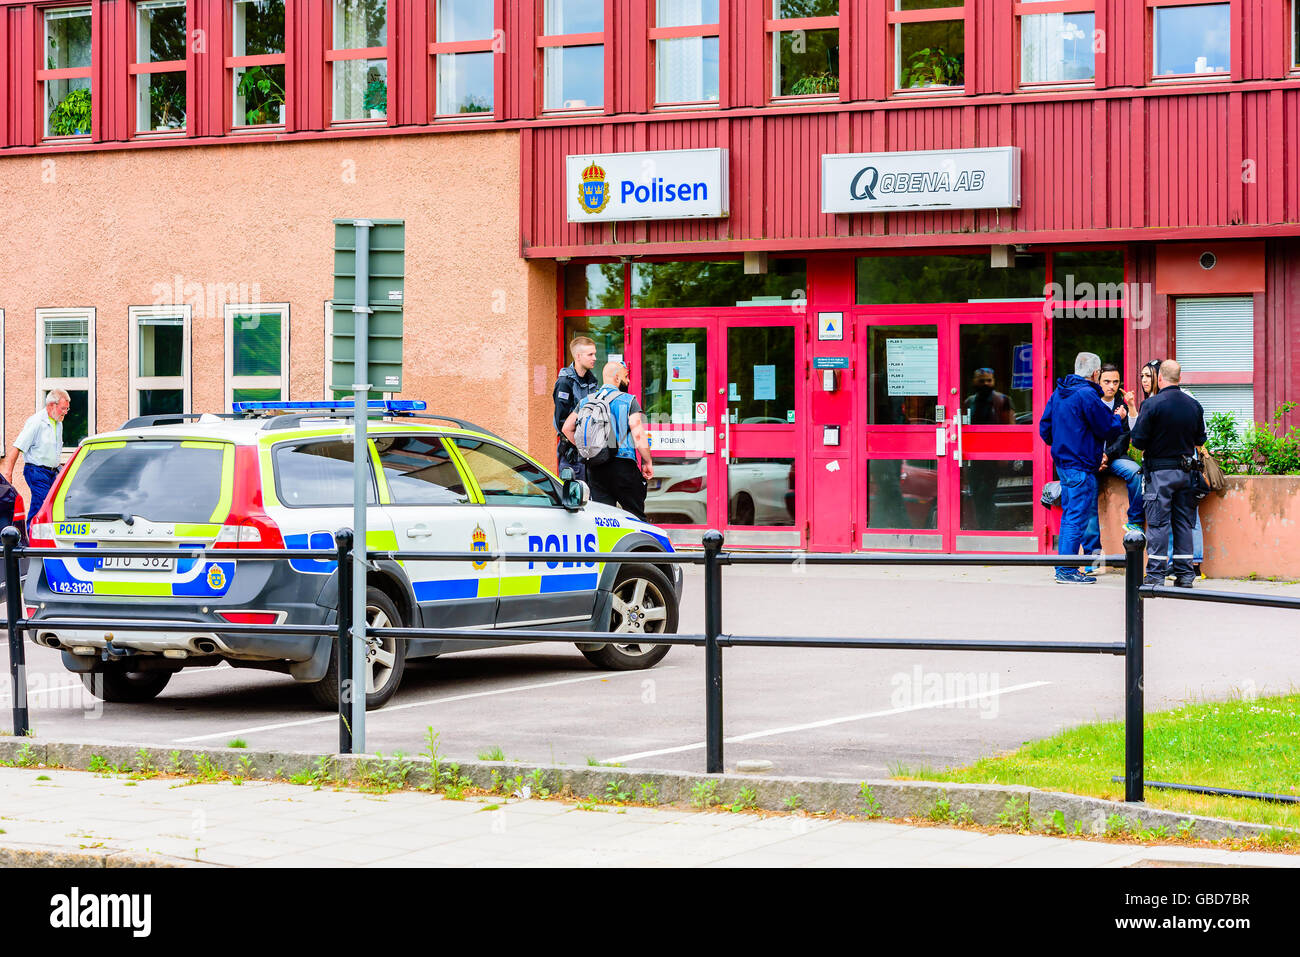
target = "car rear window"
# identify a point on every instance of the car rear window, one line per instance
(159, 481)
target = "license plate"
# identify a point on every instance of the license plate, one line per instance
(140, 563)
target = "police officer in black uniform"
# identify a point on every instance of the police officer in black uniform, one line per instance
(575, 383)
(1169, 427)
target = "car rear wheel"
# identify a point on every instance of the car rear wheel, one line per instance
(385, 657)
(116, 685)
(642, 604)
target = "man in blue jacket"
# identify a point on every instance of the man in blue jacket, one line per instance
(1078, 423)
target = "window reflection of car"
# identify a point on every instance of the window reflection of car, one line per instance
(760, 493)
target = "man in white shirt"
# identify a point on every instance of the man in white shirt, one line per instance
(41, 445)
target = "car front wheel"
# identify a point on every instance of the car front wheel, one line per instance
(642, 604)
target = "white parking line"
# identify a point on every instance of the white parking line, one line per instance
(387, 709)
(624, 758)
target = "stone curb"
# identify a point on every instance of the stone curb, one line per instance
(34, 855)
(976, 803)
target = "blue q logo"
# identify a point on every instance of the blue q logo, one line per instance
(593, 191)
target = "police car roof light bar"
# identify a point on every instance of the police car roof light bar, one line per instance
(339, 405)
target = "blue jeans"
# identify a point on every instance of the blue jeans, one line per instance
(1131, 474)
(1079, 507)
(39, 479)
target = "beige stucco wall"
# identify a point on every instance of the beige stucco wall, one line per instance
(118, 228)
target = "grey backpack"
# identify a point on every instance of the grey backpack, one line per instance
(593, 434)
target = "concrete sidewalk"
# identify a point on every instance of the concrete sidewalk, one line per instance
(74, 818)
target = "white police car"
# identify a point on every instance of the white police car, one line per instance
(259, 481)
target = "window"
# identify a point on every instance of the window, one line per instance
(805, 47)
(504, 477)
(1057, 47)
(159, 356)
(1295, 37)
(257, 62)
(699, 283)
(66, 77)
(895, 280)
(159, 66)
(360, 60)
(66, 360)
(573, 54)
(685, 37)
(1215, 345)
(139, 479)
(929, 44)
(1191, 40)
(420, 471)
(463, 57)
(317, 474)
(257, 352)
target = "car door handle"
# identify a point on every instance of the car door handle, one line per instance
(515, 529)
(419, 531)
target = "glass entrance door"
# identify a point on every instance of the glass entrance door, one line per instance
(723, 400)
(951, 408)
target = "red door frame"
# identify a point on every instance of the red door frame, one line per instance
(987, 442)
(750, 441)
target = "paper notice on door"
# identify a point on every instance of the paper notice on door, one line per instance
(683, 412)
(681, 366)
(912, 366)
(764, 383)
(733, 392)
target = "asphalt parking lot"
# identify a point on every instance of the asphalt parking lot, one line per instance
(809, 711)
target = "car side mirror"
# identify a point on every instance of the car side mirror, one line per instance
(575, 493)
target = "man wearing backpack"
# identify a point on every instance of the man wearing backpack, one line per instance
(608, 430)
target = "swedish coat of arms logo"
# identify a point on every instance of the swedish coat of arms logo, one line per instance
(216, 578)
(478, 543)
(593, 191)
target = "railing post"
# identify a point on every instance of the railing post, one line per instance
(13, 613)
(712, 651)
(343, 641)
(1134, 634)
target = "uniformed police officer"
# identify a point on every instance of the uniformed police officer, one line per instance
(41, 445)
(575, 383)
(1168, 429)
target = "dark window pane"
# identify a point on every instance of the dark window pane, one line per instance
(760, 375)
(1084, 330)
(605, 331)
(902, 493)
(157, 401)
(656, 285)
(160, 103)
(419, 471)
(904, 374)
(258, 27)
(760, 491)
(316, 474)
(504, 477)
(997, 496)
(798, 9)
(997, 373)
(1087, 274)
(162, 346)
(160, 31)
(893, 280)
(593, 286)
(259, 95)
(257, 343)
(140, 479)
(931, 54)
(808, 63)
(76, 424)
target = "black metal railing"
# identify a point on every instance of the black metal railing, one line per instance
(713, 640)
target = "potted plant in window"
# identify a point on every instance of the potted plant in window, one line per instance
(814, 84)
(376, 99)
(72, 116)
(932, 66)
(168, 109)
(263, 97)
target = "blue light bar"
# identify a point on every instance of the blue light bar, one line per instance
(379, 405)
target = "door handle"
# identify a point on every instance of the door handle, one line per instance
(516, 529)
(419, 531)
(956, 452)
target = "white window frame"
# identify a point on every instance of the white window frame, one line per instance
(140, 382)
(1227, 373)
(46, 382)
(234, 382)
